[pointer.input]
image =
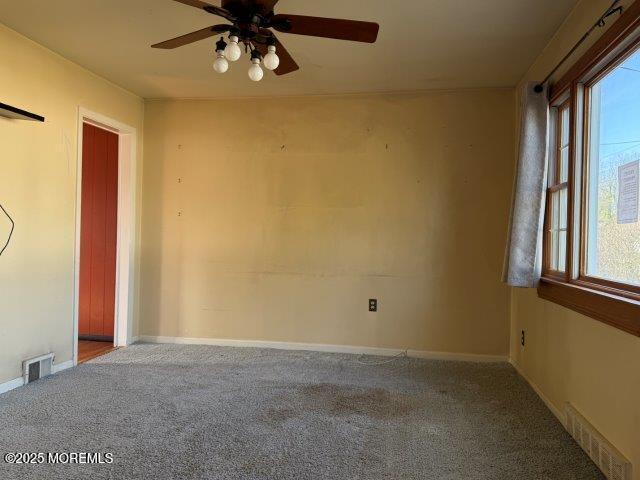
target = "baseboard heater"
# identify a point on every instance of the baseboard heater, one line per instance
(37, 367)
(18, 114)
(608, 459)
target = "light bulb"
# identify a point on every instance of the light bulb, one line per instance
(232, 52)
(220, 64)
(271, 60)
(255, 72)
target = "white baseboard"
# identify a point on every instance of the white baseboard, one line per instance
(19, 382)
(58, 367)
(319, 347)
(458, 357)
(11, 384)
(558, 414)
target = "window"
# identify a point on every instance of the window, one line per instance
(591, 256)
(613, 230)
(557, 195)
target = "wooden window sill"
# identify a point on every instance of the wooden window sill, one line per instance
(617, 311)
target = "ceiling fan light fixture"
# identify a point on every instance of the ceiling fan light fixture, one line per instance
(232, 52)
(250, 25)
(255, 72)
(271, 60)
(220, 64)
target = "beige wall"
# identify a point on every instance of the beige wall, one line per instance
(38, 186)
(570, 357)
(277, 219)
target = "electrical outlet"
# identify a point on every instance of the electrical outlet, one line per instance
(373, 304)
(522, 338)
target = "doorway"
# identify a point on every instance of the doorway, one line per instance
(105, 203)
(98, 239)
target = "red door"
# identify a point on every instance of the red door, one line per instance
(98, 233)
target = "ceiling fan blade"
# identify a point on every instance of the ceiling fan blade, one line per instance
(326, 27)
(193, 37)
(207, 7)
(287, 63)
(236, 7)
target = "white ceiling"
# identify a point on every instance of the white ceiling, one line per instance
(423, 44)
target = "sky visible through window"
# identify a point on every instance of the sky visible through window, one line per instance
(617, 253)
(620, 114)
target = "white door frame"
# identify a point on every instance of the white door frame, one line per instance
(125, 243)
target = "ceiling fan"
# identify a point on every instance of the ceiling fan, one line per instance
(251, 22)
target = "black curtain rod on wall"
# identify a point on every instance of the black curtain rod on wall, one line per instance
(614, 8)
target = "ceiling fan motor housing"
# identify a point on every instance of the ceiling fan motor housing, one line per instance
(249, 31)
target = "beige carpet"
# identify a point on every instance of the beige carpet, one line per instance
(199, 412)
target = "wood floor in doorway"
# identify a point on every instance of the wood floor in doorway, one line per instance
(89, 349)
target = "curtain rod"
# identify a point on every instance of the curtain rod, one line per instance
(614, 8)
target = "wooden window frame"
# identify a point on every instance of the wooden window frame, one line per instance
(554, 185)
(614, 303)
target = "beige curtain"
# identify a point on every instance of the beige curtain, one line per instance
(523, 257)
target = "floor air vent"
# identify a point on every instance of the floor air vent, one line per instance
(604, 455)
(37, 367)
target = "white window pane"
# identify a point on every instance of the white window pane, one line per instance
(564, 164)
(562, 250)
(565, 128)
(613, 242)
(554, 250)
(555, 217)
(562, 209)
